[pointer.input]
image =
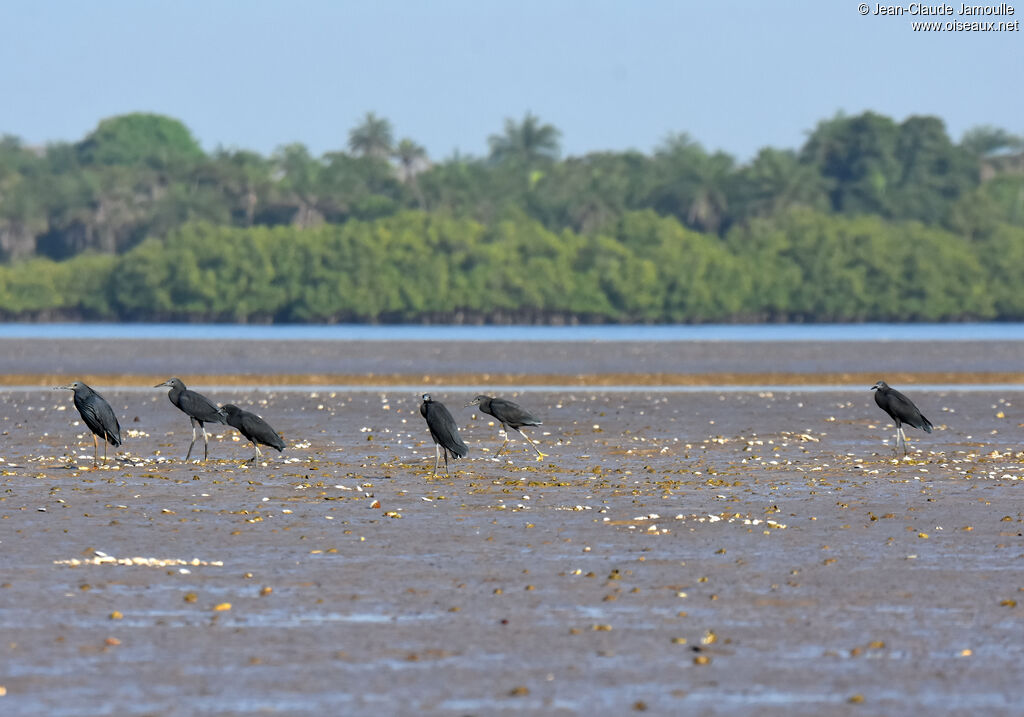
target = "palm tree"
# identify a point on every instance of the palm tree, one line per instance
(22, 207)
(526, 142)
(986, 140)
(694, 185)
(777, 180)
(244, 177)
(412, 158)
(373, 138)
(300, 177)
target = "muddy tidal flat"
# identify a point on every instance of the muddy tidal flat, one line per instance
(716, 551)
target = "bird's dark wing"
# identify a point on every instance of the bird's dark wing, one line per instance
(99, 417)
(256, 429)
(902, 407)
(200, 407)
(512, 413)
(443, 429)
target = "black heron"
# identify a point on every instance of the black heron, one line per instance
(511, 415)
(98, 416)
(443, 430)
(253, 428)
(198, 408)
(901, 410)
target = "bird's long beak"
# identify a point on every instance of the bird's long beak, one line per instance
(165, 383)
(63, 388)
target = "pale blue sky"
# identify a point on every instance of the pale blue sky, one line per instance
(256, 74)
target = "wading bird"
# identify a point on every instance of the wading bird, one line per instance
(98, 416)
(254, 428)
(901, 410)
(511, 415)
(443, 430)
(197, 407)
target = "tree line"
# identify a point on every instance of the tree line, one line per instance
(871, 219)
(798, 265)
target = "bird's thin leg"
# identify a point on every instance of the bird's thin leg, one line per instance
(446, 473)
(96, 451)
(437, 457)
(257, 455)
(905, 449)
(206, 444)
(189, 454)
(504, 430)
(539, 454)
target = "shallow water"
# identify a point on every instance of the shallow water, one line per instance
(501, 333)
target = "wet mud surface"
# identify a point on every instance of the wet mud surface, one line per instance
(702, 553)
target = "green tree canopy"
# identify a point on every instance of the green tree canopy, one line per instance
(140, 139)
